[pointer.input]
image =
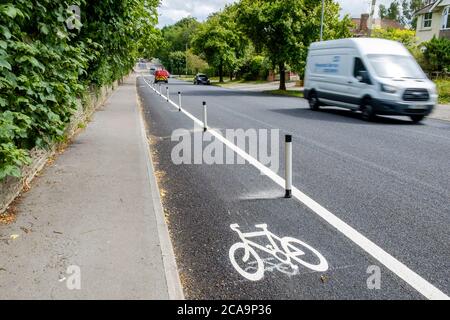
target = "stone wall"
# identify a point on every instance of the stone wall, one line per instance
(11, 187)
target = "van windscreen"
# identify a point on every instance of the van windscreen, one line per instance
(395, 66)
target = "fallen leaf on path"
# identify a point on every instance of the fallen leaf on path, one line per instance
(9, 216)
(14, 236)
(25, 229)
(26, 186)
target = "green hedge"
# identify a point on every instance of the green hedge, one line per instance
(437, 54)
(49, 59)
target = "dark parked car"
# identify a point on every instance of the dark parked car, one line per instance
(201, 79)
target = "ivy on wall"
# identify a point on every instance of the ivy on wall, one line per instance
(50, 57)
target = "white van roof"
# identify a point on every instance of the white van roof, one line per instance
(364, 45)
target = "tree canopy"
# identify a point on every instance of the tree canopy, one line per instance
(176, 38)
(402, 12)
(284, 29)
(219, 41)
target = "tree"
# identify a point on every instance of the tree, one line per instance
(393, 12)
(180, 34)
(403, 13)
(195, 63)
(176, 37)
(284, 29)
(219, 41)
(177, 62)
(409, 8)
(382, 11)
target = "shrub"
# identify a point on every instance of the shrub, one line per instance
(406, 37)
(437, 54)
(46, 66)
(255, 67)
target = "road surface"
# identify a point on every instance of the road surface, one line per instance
(388, 180)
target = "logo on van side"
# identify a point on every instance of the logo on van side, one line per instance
(332, 67)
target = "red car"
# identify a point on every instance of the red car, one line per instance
(162, 76)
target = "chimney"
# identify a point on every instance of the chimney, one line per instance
(363, 25)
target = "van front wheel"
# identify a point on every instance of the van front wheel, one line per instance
(313, 101)
(417, 118)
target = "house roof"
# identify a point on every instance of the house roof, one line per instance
(433, 6)
(382, 23)
(388, 23)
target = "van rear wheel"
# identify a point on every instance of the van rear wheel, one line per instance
(314, 103)
(367, 110)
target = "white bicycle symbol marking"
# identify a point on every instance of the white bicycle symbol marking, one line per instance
(289, 253)
(272, 264)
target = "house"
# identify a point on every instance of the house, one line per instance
(361, 25)
(433, 20)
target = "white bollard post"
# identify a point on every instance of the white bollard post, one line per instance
(160, 89)
(288, 165)
(179, 101)
(205, 117)
(167, 94)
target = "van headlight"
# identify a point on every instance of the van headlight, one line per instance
(434, 90)
(388, 88)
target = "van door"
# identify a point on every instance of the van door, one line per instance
(329, 70)
(358, 82)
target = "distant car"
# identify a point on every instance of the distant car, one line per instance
(162, 76)
(201, 79)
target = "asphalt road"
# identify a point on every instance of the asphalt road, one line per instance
(389, 180)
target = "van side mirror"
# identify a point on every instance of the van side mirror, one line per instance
(363, 76)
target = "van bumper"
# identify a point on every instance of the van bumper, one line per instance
(384, 107)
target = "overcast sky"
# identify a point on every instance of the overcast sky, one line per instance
(171, 11)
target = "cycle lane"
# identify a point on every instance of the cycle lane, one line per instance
(394, 216)
(202, 202)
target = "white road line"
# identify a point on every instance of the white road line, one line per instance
(401, 270)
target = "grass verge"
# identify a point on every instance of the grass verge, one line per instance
(287, 93)
(227, 83)
(443, 87)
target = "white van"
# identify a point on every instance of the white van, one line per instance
(375, 76)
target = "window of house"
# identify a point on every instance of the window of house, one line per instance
(446, 18)
(427, 18)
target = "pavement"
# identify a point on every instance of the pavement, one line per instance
(441, 112)
(92, 225)
(368, 196)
